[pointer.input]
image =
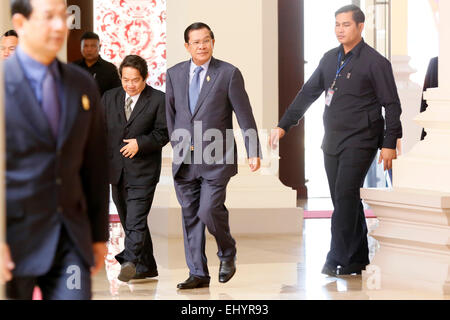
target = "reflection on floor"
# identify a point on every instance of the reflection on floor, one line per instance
(275, 267)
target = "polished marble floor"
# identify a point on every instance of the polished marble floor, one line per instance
(268, 268)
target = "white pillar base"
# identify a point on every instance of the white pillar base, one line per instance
(414, 238)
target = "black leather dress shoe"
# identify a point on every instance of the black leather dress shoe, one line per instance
(194, 282)
(329, 270)
(227, 270)
(352, 269)
(127, 272)
(145, 275)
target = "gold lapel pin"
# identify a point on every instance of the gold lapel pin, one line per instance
(208, 79)
(85, 102)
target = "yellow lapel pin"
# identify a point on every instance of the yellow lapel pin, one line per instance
(86, 103)
(208, 79)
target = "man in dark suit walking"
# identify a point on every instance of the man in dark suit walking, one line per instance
(136, 132)
(56, 181)
(358, 82)
(201, 95)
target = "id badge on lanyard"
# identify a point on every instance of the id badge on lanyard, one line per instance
(332, 89)
(329, 97)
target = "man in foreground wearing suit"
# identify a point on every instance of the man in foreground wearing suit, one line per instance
(201, 95)
(56, 180)
(358, 82)
(136, 132)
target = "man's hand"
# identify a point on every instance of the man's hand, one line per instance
(7, 264)
(131, 149)
(387, 155)
(100, 251)
(275, 137)
(254, 163)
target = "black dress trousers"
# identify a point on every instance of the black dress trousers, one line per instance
(346, 172)
(133, 204)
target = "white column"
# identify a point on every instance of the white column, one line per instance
(414, 227)
(409, 92)
(429, 160)
(444, 45)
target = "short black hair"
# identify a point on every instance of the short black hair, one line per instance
(136, 62)
(197, 26)
(11, 33)
(21, 6)
(90, 35)
(358, 15)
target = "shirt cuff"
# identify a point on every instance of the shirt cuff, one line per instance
(390, 143)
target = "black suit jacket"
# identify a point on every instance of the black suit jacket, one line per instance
(147, 125)
(104, 72)
(53, 182)
(354, 118)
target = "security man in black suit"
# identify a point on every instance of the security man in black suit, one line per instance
(137, 132)
(104, 72)
(358, 82)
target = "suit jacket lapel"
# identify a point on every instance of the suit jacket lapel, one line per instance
(208, 83)
(20, 90)
(141, 103)
(185, 75)
(120, 106)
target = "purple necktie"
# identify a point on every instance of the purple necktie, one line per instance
(50, 101)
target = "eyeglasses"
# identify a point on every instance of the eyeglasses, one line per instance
(197, 44)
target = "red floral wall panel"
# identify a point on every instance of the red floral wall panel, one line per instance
(134, 27)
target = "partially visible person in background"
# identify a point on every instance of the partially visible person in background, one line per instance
(104, 72)
(8, 44)
(431, 81)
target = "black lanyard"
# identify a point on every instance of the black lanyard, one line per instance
(340, 67)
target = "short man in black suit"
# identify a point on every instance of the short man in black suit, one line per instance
(136, 132)
(358, 82)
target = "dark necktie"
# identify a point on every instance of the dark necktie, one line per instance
(50, 101)
(194, 89)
